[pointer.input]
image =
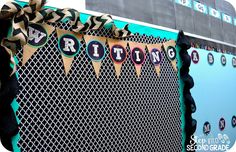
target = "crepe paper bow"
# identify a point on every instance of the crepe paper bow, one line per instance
(125, 32)
(92, 23)
(21, 16)
(33, 13)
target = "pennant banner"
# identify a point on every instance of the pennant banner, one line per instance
(155, 56)
(35, 13)
(69, 46)
(95, 49)
(170, 50)
(118, 53)
(38, 37)
(227, 18)
(137, 55)
(200, 7)
(187, 3)
(213, 12)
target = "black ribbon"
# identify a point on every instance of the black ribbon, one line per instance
(190, 123)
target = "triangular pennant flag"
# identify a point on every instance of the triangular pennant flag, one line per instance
(69, 46)
(137, 55)
(171, 53)
(95, 49)
(28, 51)
(38, 36)
(155, 56)
(67, 61)
(118, 53)
(96, 66)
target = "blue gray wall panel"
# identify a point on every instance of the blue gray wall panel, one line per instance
(228, 33)
(163, 13)
(201, 24)
(107, 6)
(211, 3)
(184, 18)
(225, 7)
(216, 28)
(169, 14)
(139, 10)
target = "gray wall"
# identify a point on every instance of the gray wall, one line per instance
(201, 24)
(169, 14)
(216, 28)
(164, 14)
(184, 18)
(211, 3)
(134, 9)
(225, 6)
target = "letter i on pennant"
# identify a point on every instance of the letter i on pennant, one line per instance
(38, 37)
(69, 46)
(118, 54)
(171, 52)
(155, 56)
(137, 55)
(95, 49)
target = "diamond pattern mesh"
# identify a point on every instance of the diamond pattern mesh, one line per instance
(82, 113)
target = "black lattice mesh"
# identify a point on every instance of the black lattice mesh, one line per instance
(82, 113)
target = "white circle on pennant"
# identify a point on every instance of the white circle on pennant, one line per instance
(171, 53)
(38, 35)
(69, 45)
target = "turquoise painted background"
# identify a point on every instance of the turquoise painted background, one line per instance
(214, 94)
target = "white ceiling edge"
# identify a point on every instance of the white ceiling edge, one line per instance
(75, 4)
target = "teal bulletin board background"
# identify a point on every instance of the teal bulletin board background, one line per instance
(214, 94)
